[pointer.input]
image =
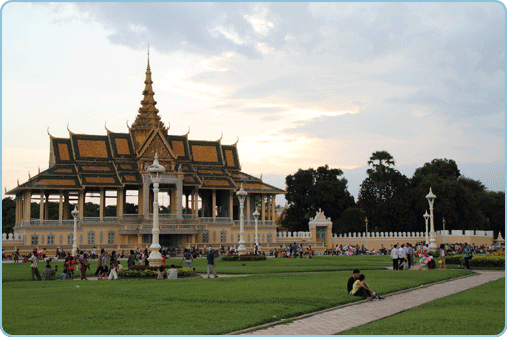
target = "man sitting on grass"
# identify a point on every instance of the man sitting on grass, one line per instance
(49, 274)
(352, 279)
(361, 288)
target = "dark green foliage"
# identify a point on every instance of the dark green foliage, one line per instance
(351, 220)
(150, 272)
(8, 215)
(309, 190)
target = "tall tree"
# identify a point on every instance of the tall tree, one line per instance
(309, 190)
(381, 163)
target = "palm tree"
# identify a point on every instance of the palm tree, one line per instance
(381, 162)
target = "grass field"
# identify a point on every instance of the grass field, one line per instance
(477, 311)
(192, 306)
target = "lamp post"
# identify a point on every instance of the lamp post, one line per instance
(431, 199)
(256, 217)
(426, 218)
(155, 170)
(443, 224)
(242, 197)
(366, 223)
(74, 213)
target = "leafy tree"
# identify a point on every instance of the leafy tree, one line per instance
(309, 190)
(388, 205)
(459, 198)
(91, 209)
(8, 215)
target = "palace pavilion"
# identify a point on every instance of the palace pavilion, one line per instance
(200, 182)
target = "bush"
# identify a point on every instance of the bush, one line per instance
(243, 258)
(478, 260)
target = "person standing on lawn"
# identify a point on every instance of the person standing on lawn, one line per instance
(394, 256)
(401, 255)
(211, 262)
(188, 258)
(131, 259)
(467, 251)
(352, 279)
(442, 257)
(83, 265)
(33, 266)
(113, 264)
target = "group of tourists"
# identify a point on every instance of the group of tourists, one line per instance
(292, 251)
(402, 256)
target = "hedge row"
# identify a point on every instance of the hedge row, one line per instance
(243, 258)
(477, 260)
(149, 273)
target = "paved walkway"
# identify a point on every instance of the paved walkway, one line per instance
(345, 317)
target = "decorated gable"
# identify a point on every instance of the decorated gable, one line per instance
(156, 143)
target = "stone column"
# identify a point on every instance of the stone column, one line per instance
(213, 204)
(263, 209)
(248, 208)
(81, 202)
(41, 208)
(179, 194)
(102, 204)
(46, 206)
(268, 202)
(28, 206)
(140, 200)
(273, 207)
(231, 206)
(196, 210)
(66, 213)
(120, 202)
(60, 208)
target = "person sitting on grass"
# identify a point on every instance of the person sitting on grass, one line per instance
(172, 273)
(352, 279)
(361, 288)
(48, 274)
(161, 273)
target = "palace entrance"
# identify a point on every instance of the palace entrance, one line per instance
(170, 240)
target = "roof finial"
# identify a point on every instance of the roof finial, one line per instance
(148, 56)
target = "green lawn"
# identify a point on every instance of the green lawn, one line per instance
(192, 306)
(477, 311)
(21, 271)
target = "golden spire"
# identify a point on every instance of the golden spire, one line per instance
(148, 117)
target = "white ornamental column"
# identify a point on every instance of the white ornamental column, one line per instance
(431, 199)
(241, 196)
(155, 170)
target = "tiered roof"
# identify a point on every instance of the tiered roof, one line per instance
(118, 159)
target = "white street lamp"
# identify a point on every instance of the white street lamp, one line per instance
(242, 197)
(366, 222)
(256, 217)
(431, 199)
(74, 213)
(155, 170)
(426, 218)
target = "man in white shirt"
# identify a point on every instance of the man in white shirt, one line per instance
(394, 256)
(401, 254)
(33, 265)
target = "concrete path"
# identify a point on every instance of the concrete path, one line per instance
(345, 317)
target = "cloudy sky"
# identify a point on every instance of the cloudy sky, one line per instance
(301, 84)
